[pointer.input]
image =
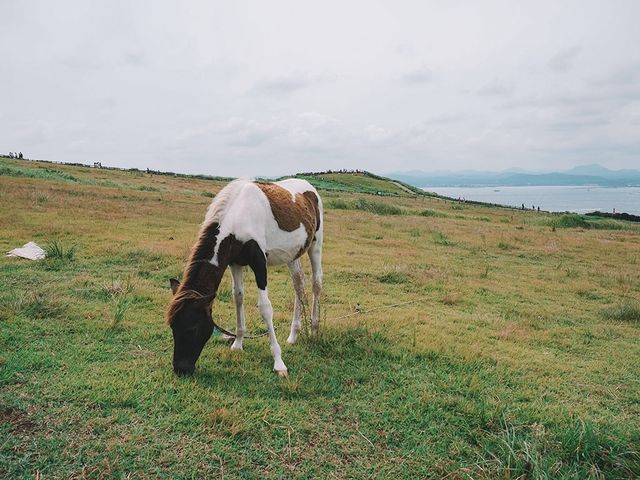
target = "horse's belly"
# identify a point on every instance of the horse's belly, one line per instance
(284, 247)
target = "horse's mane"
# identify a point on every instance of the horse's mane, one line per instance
(192, 284)
(220, 203)
(177, 302)
(200, 254)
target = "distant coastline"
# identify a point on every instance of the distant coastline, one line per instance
(554, 198)
(587, 175)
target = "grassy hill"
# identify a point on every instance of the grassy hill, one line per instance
(362, 182)
(493, 343)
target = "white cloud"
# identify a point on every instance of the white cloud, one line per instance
(268, 88)
(418, 76)
(284, 84)
(564, 60)
(496, 88)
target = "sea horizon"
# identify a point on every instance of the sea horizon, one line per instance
(570, 198)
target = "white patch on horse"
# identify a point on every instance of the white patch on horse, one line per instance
(250, 216)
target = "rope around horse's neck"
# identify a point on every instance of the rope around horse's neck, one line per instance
(304, 315)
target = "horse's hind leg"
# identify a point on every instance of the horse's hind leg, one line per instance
(297, 276)
(315, 255)
(238, 299)
(258, 263)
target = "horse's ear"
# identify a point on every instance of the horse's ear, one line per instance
(174, 285)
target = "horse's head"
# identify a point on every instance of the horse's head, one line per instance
(190, 318)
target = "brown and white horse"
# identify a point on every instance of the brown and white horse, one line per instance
(255, 224)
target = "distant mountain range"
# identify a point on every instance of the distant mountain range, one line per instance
(515, 177)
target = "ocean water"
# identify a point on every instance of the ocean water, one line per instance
(553, 199)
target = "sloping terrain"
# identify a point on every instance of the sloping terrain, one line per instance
(492, 343)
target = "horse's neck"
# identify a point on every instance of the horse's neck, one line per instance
(205, 278)
(202, 276)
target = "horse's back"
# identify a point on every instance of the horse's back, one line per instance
(298, 185)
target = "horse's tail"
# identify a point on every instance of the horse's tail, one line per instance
(223, 199)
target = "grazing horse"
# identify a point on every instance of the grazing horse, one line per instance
(255, 224)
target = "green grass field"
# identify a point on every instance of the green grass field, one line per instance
(513, 351)
(360, 183)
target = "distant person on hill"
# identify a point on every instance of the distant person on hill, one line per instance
(20, 156)
(538, 207)
(523, 206)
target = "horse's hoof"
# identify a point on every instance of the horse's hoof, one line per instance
(291, 340)
(236, 347)
(282, 373)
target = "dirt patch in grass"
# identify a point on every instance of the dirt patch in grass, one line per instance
(17, 420)
(452, 298)
(513, 331)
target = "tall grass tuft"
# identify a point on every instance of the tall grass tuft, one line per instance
(393, 278)
(120, 294)
(624, 312)
(433, 213)
(440, 238)
(339, 204)
(378, 208)
(120, 306)
(570, 220)
(56, 251)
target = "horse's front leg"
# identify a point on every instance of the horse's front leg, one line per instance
(267, 315)
(238, 299)
(258, 263)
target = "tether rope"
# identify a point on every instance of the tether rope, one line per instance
(304, 316)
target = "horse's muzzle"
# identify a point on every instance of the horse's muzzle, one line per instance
(184, 367)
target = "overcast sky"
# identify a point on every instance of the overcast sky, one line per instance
(274, 87)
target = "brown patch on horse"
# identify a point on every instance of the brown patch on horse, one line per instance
(290, 213)
(201, 278)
